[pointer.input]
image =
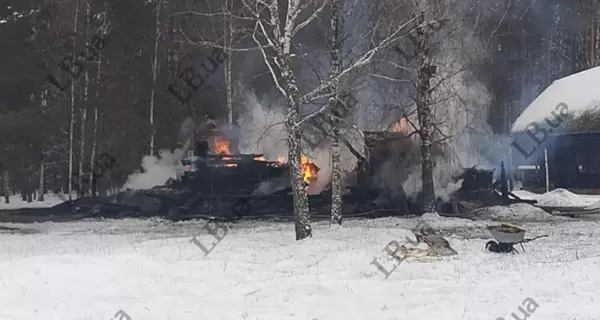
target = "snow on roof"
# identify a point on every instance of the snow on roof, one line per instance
(579, 92)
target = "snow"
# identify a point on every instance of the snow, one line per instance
(150, 269)
(586, 199)
(593, 206)
(526, 195)
(562, 198)
(17, 203)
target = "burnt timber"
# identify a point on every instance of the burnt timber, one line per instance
(244, 186)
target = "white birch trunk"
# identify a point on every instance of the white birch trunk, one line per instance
(425, 73)
(72, 111)
(154, 76)
(227, 66)
(301, 211)
(336, 174)
(44, 105)
(84, 105)
(93, 182)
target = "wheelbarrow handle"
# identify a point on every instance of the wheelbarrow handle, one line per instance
(535, 238)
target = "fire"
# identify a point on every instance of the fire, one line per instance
(309, 170)
(399, 126)
(220, 146)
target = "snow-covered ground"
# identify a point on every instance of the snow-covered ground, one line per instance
(559, 198)
(17, 203)
(89, 270)
(150, 269)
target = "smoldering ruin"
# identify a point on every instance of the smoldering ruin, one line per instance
(232, 172)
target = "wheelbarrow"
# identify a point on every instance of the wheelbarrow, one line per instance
(506, 237)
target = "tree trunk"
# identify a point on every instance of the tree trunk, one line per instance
(72, 116)
(301, 210)
(92, 178)
(335, 115)
(41, 190)
(44, 105)
(227, 66)
(43, 108)
(6, 186)
(82, 187)
(154, 76)
(29, 196)
(425, 73)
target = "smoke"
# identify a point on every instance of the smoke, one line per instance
(460, 106)
(321, 156)
(186, 133)
(460, 113)
(262, 129)
(157, 171)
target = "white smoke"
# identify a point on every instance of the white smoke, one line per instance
(466, 137)
(460, 105)
(262, 130)
(156, 170)
(461, 120)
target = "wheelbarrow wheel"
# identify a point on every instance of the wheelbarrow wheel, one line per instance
(492, 246)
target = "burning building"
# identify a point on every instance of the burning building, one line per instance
(217, 181)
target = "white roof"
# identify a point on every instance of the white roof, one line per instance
(579, 91)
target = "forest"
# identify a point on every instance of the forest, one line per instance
(82, 78)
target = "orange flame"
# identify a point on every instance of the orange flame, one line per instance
(399, 126)
(220, 146)
(309, 170)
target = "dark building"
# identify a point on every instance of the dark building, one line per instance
(574, 160)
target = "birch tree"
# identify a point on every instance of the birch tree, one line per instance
(72, 107)
(335, 116)
(43, 107)
(84, 106)
(228, 44)
(102, 31)
(277, 34)
(155, 66)
(276, 38)
(425, 72)
(443, 104)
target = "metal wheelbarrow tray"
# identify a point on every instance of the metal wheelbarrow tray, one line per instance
(506, 236)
